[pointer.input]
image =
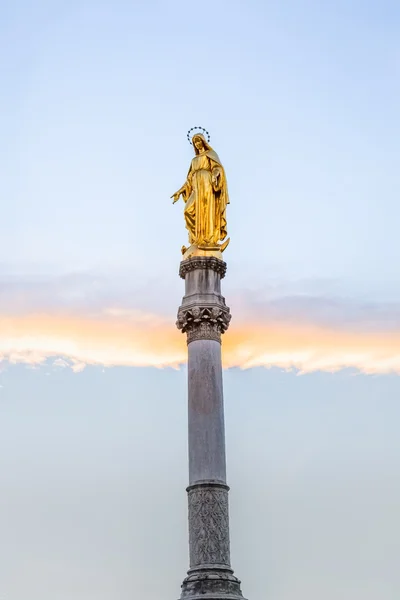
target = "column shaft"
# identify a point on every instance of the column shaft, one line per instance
(206, 413)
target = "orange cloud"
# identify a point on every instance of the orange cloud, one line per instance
(134, 338)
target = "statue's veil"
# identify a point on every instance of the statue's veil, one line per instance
(214, 157)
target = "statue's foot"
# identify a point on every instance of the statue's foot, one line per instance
(195, 250)
(215, 247)
(224, 245)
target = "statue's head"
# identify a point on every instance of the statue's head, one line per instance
(197, 139)
(199, 143)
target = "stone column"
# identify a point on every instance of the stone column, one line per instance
(204, 316)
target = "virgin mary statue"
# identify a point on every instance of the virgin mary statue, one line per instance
(205, 194)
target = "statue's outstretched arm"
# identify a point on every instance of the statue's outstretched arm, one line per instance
(184, 191)
(178, 194)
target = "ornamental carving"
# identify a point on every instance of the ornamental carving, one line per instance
(211, 581)
(202, 262)
(203, 323)
(208, 525)
(205, 331)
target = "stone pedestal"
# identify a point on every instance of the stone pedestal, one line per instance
(204, 316)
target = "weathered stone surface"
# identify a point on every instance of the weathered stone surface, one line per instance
(206, 413)
(211, 584)
(202, 262)
(208, 525)
(203, 323)
(203, 313)
(204, 316)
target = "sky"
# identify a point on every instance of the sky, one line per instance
(301, 101)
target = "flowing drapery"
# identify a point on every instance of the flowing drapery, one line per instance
(206, 196)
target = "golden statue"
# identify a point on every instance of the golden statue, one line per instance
(205, 194)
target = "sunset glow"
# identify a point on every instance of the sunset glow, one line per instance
(134, 338)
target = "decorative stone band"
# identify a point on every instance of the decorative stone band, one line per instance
(210, 576)
(208, 525)
(211, 584)
(203, 323)
(202, 262)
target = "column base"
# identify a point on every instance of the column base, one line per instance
(211, 583)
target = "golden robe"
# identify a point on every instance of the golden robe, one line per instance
(206, 196)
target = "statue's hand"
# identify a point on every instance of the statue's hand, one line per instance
(176, 196)
(216, 179)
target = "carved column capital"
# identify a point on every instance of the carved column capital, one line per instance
(202, 262)
(203, 322)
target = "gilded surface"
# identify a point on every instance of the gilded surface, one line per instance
(205, 194)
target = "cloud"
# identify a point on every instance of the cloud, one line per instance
(60, 362)
(279, 326)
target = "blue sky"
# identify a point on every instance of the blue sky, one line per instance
(301, 100)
